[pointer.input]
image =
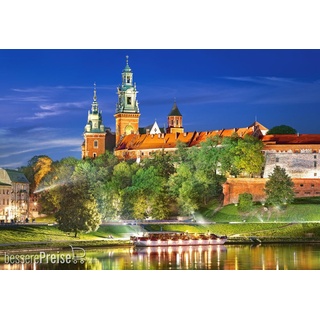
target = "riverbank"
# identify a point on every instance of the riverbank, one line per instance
(35, 237)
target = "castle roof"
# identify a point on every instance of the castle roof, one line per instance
(272, 139)
(170, 140)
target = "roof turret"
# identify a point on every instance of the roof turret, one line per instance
(175, 111)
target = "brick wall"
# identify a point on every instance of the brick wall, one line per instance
(233, 187)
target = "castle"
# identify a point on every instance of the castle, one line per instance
(299, 154)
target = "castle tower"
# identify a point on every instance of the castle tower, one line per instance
(94, 132)
(175, 120)
(127, 110)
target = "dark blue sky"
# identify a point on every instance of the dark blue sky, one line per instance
(45, 94)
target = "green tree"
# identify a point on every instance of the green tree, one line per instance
(148, 193)
(282, 129)
(48, 191)
(279, 188)
(185, 188)
(248, 155)
(117, 198)
(228, 155)
(78, 210)
(245, 202)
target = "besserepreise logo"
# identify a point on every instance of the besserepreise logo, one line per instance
(76, 255)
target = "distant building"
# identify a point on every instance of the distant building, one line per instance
(14, 195)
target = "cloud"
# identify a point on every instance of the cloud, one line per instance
(54, 109)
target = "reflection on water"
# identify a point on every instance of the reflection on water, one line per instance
(227, 257)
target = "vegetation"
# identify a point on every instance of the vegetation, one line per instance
(297, 222)
(279, 188)
(282, 129)
(245, 202)
(165, 184)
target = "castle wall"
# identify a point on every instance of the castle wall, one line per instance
(233, 187)
(298, 163)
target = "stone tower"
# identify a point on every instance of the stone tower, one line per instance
(127, 109)
(94, 132)
(175, 120)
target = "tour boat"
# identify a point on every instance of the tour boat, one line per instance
(157, 239)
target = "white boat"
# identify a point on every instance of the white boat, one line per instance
(168, 239)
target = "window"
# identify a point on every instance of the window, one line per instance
(128, 100)
(128, 79)
(312, 185)
(95, 144)
(94, 155)
(315, 164)
(301, 185)
(277, 159)
(315, 174)
(314, 157)
(177, 122)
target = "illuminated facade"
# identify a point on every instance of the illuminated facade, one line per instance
(14, 195)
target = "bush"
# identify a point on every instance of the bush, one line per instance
(245, 202)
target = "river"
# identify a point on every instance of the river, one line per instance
(227, 257)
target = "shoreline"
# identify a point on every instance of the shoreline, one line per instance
(95, 244)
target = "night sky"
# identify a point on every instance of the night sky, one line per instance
(45, 95)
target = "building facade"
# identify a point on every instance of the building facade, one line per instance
(14, 195)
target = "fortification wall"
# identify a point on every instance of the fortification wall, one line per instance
(304, 164)
(233, 187)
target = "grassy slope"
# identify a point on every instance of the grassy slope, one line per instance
(302, 210)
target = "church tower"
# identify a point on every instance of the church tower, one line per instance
(94, 132)
(175, 120)
(127, 110)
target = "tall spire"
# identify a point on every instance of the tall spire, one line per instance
(94, 103)
(127, 68)
(94, 92)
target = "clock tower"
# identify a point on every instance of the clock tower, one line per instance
(127, 108)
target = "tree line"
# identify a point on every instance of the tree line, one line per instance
(105, 188)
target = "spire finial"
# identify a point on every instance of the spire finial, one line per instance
(127, 59)
(94, 92)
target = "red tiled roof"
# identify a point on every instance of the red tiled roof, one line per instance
(291, 139)
(169, 140)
